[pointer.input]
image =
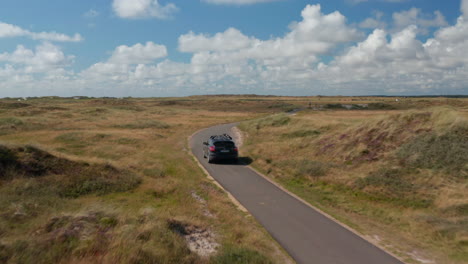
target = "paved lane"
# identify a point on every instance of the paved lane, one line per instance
(307, 235)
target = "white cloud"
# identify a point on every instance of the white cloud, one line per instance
(404, 64)
(138, 53)
(403, 19)
(91, 13)
(137, 9)
(231, 39)
(464, 8)
(9, 31)
(449, 45)
(387, 61)
(124, 62)
(309, 37)
(237, 2)
(414, 16)
(374, 22)
(46, 57)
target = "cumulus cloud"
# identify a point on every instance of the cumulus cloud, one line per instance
(237, 2)
(404, 64)
(10, 31)
(309, 37)
(137, 9)
(231, 39)
(464, 8)
(46, 57)
(91, 13)
(374, 22)
(138, 53)
(414, 16)
(386, 61)
(123, 62)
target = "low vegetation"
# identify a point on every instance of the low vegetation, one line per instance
(401, 176)
(87, 180)
(99, 180)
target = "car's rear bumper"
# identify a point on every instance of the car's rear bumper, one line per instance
(223, 156)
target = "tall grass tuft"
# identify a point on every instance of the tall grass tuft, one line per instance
(144, 124)
(240, 255)
(311, 168)
(447, 152)
(277, 120)
(71, 179)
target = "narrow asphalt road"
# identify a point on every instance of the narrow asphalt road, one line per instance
(307, 235)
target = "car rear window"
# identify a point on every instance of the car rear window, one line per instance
(224, 144)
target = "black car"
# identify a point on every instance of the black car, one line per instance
(220, 147)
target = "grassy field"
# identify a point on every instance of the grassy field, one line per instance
(111, 181)
(394, 170)
(103, 180)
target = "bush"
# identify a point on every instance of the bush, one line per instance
(391, 185)
(97, 179)
(334, 106)
(311, 168)
(301, 133)
(272, 121)
(12, 105)
(144, 124)
(62, 238)
(69, 138)
(447, 152)
(380, 106)
(10, 121)
(7, 158)
(75, 178)
(232, 255)
(390, 179)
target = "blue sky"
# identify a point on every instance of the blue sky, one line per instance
(285, 47)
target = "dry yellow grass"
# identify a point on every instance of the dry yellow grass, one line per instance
(398, 175)
(147, 137)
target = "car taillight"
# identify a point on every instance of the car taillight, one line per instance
(235, 149)
(212, 148)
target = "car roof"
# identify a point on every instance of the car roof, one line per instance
(223, 137)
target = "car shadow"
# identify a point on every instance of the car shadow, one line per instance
(242, 161)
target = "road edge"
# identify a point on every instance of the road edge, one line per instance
(208, 175)
(236, 203)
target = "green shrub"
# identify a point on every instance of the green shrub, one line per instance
(447, 152)
(284, 106)
(97, 179)
(380, 106)
(12, 105)
(235, 255)
(144, 124)
(273, 121)
(72, 179)
(391, 180)
(311, 168)
(301, 133)
(10, 121)
(62, 238)
(72, 137)
(5, 254)
(392, 186)
(334, 106)
(457, 210)
(7, 157)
